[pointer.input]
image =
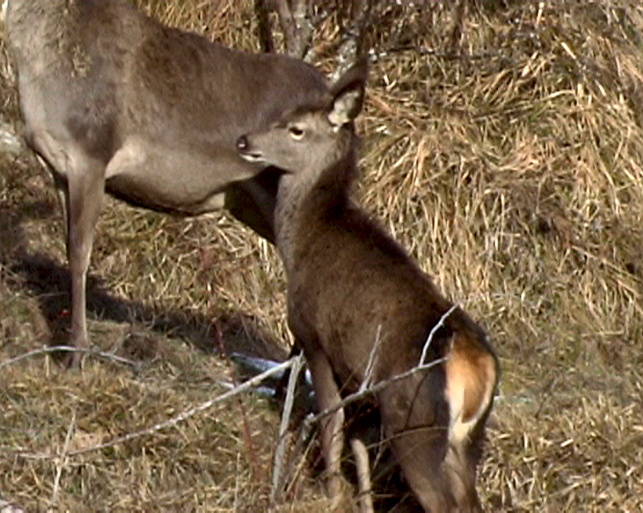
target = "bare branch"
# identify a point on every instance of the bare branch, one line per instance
(363, 392)
(350, 399)
(352, 44)
(433, 331)
(277, 477)
(55, 349)
(62, 460)
(170, 422)
(262, 11)
(370, 366)
(363, 475)
(294, 18)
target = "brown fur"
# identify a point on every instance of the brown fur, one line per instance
(350, 283)
(115, 101)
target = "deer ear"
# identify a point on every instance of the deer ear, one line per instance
(347, 95)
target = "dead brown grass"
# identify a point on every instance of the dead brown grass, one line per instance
(513, 171)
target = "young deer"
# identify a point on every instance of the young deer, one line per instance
(114, 101)
(355, 295)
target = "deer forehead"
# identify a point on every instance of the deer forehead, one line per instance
(312, 119)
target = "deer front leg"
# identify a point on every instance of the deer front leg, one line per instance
(83, 199)
(332, 425)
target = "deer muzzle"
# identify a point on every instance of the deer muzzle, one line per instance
(245, 151)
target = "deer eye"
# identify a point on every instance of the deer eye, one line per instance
(296, 132)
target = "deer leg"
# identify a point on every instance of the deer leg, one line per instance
(63, 197)
(61, 189)
(416, 426)
(84, 194)
(363, 475)
(332, 425)
(459, 469)
(460, 465)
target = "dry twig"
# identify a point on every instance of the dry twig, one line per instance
(245, 386)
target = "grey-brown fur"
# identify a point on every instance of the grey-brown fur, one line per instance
(113, 100)
(349, 284)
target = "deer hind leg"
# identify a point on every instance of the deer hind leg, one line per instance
(461, 462)
(415, 421)
(82, 198)
(332, 425)
(460, 470)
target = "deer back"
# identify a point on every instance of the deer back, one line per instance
(101, 80)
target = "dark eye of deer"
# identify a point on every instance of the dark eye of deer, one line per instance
(296, 132)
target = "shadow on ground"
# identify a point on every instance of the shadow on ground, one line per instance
(50, 283)
(43, 278)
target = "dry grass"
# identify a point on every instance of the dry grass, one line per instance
(512, 170)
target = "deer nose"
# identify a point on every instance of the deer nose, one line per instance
(242, 143)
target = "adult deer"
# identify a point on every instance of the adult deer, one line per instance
(114, 101)
(361, 309)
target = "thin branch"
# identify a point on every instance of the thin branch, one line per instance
(383, 384)
(170, 422)
(263, 26)
(298, 456)
(218, 338)
(433, 331)
(55, 349)
(277, 477)
(62, 461)
(365, 496)
(375, 56)
(350, 399)
(370, 366)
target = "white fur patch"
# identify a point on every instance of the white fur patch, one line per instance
(344, 104)
(456, 388)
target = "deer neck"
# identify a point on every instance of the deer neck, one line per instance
(304, 200)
